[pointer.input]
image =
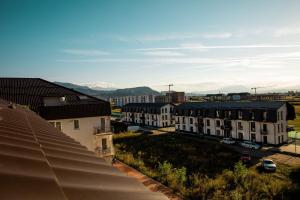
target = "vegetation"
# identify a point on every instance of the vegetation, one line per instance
(296, 122)
(201, 169)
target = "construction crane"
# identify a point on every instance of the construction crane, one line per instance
(255, 88)
(170, 85)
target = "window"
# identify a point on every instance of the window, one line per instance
(278, 127)
(252, 125)
(208, 131)
(265, 127)
(104, 143)
(183, 120)
(76, 124)
(191, 121)
(264, 115)
(166, 117)
(163, 117)
(252, 116)
(58, 125)
(253, 139)
(281, 127)
(218, 113)
(281, 115)
(218, 132)
(240, 127)
(183, 127)
(218, 123)
(240, 113)
(208, 122)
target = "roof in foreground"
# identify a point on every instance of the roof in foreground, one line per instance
(32, 91)
(39, 162)
(233, 105)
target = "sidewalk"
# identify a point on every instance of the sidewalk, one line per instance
(153, 185)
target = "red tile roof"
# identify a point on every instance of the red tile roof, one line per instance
(39, 162)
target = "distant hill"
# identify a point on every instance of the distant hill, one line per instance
(104, 94)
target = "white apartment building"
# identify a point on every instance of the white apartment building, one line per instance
(149, 114)
(84, 118)
(262, 122)
(121, 101)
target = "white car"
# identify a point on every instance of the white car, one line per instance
(268, 165)
(250, 145)
(227, 141)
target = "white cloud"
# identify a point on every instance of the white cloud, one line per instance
(100, 85)
(287, 31)
(85, 52)
(254, 46)
(217, 35)
(163, 53)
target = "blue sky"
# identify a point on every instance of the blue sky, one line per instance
(196, 45)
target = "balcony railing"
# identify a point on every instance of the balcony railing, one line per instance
(240, 128)
(264, 132)
(99, 130)
(104, 151)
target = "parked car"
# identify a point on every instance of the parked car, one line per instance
(245, 158)
(268, 165)
(249, 144)
(227, 141)
(147, 132)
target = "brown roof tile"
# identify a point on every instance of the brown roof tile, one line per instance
(39, 162)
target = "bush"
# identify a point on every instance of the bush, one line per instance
(200, 171)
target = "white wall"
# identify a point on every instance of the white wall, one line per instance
(85, 133)
(272, 128)
(158, 119)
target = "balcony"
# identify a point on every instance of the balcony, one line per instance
(101, 130)
(104, 151)
(226, 127)
(264, 132)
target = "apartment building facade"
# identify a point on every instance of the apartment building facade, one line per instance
(149, 114)
(173, 97)
(262, 122)
(121, 101)
(83, 118)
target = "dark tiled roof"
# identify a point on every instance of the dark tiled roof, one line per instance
(232, 105)
(31, 91)
(145, 105)
(39, 162)
(153, 108)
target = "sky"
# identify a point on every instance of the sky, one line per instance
(196, 45)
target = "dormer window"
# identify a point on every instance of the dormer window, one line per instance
(217, 113)
(265, 115)
(240, 114)
(82, 97)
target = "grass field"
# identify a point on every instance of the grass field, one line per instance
(296, 122)
(202, 169)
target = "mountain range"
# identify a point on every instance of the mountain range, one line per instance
(105, 93)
